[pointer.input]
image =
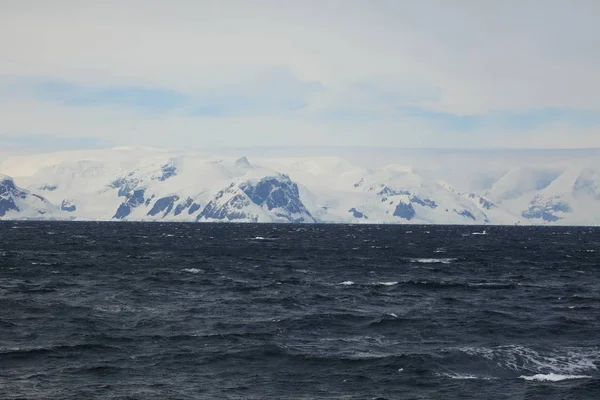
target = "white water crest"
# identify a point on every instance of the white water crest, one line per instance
(432, 260)
(553, 377)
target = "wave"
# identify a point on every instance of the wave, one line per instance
(192, 270)
(553, 377)
(31, 351)
(465, 376)
(432, 260)
(520, 359)
(459, 285)
(346, 283)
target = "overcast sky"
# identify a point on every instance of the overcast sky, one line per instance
(203, 74)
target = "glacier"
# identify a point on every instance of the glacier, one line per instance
(403, 187)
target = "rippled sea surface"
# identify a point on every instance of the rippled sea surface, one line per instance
(224, 311)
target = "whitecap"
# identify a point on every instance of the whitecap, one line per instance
(464, 376)
(569, 362)
(347, 283)
(432, 260)
(480, 233)
(553, 377)
(263, 238)
(387, 283)
(192, 270)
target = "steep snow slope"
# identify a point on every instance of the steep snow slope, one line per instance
(19, 203)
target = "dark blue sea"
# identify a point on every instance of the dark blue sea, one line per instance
(246, 311)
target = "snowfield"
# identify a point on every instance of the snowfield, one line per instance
(134, 184)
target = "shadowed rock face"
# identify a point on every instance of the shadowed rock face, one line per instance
(405, 211)
(125, 185)
(423, 202)
(8, 192)
(182, 206)
(545, 210)
(466, 214)
(230, 210)
(277, 194)
(280, 194)
(68, 206)
(11, 195)
(388, 192)
(194, 208)
(163, 205)
(167, 171)
(357, 214)
(134, 200)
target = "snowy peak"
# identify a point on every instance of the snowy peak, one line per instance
(243, 163)
(272, 197)
(19, 203)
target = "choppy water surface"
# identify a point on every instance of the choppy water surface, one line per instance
(209, 311)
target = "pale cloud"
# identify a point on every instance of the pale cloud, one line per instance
(332, 72)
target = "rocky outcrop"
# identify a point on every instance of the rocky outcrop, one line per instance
(405, 211)
(548, 210)
(133, 200)
(18, 202)
(357, 214)
(276, 196)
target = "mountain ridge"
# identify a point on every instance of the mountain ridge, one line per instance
(147, 185)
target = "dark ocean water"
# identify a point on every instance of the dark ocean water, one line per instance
(209, 311)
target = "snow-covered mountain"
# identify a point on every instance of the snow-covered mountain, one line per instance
(145, 184)
(19, 203)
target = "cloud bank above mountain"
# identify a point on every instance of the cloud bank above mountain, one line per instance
(204, 74)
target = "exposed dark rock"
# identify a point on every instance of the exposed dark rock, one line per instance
(125, 185)
(466, 214)
(545, 210)
(357, 214)
(6, 205)
(134, 200)
(485, 203)
(387, 191)
(182, 206)
(167, 171)
(163, 205)
(405, 211)
(8, 192)
(149, 200)
(194, 208)
(423, 202)
(359, 183)
(49, 188)
(231, 210)
(68, 206)
(277, 194)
